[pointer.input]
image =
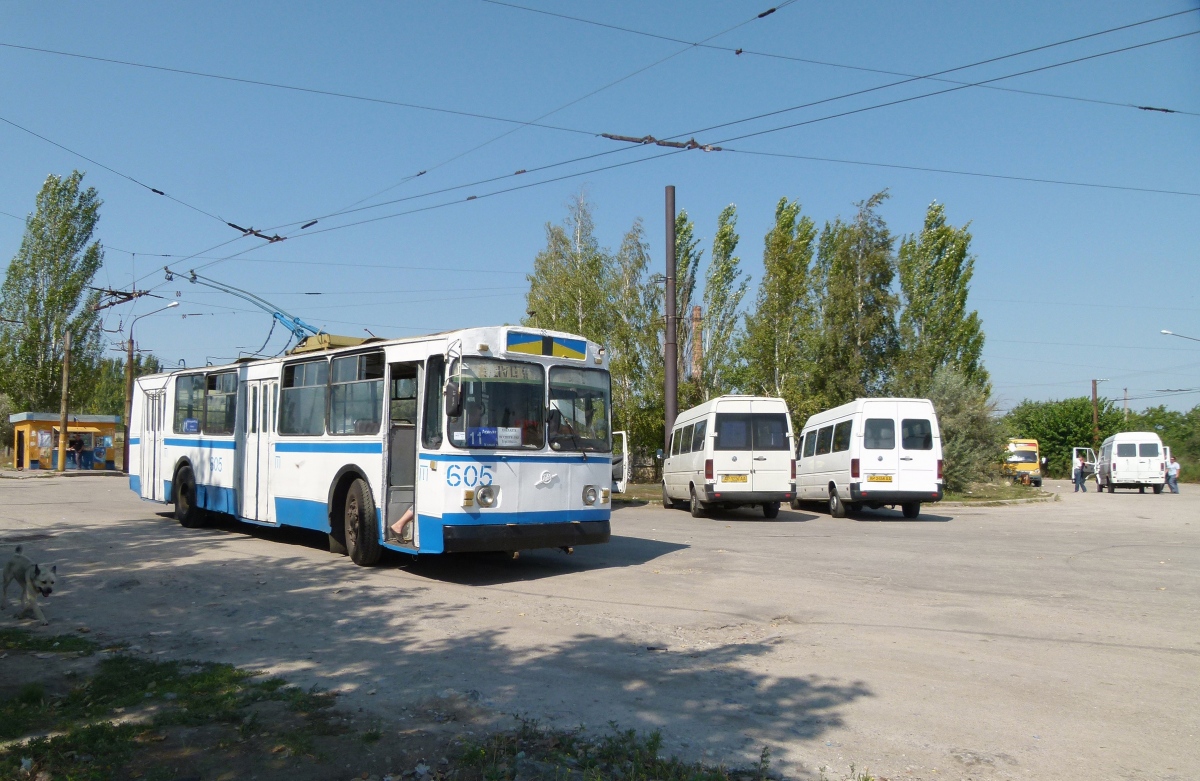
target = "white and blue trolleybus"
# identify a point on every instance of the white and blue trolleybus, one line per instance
(483, 439)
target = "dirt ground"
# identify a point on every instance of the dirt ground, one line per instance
(1034, 641)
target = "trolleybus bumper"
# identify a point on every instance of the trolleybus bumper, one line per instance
(523, 536)
(884, 496)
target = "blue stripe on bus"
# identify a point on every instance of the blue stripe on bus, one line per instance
(573, 459)
(135, 484)
(217, 498)
(303, 513)
(328, 447)
(214, 444)
(134, 440)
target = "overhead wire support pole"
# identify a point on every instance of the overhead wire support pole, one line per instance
(670, 340)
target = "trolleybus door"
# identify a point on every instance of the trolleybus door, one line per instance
(268, 399)
(154, 415)
(254, 493)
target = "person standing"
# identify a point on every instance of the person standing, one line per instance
(1079, 473)
(1173, 475)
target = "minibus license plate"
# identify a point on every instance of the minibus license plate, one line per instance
(879, 478)
(734, 479)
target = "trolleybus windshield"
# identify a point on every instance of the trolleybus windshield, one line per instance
(503, 404)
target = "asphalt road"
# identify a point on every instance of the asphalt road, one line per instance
(1047, 640)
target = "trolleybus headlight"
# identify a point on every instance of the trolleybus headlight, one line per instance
(486, 495)
(589, 494)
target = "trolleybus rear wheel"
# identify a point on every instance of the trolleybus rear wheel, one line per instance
(362, 536)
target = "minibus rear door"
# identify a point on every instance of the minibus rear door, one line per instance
(918, 458)
(772, 450)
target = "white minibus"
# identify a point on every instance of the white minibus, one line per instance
(1133, 459)
(731, 451)
(872, 452)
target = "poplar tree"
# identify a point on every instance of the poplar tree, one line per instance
(857, 342)
(45, 295)
(568, 289)
(774, 343)
(687, 263)
(724, 288)
(936, 330)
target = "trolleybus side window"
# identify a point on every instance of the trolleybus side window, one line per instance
(220, 403)
(189, 403)
(356, 394)
(252, 418)
(435, 379)
(305, 390)
(503, 404)
(403, 397)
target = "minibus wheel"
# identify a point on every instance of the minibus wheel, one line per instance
(770, 509)
(836, 508)
(362, 538)
(911, 509)
(667, 502)
(186, 512)
(1158, 489)
(696, 506)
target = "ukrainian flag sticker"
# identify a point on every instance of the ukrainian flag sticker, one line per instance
(552, 346)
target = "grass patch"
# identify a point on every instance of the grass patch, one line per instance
(20, 640)
(996, 492)
(618, 754)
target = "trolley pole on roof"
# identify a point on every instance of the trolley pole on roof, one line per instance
(670, 346)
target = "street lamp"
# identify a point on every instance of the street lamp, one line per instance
(1181, 336)
(129, 383)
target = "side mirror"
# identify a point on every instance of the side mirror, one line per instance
(659, 454)
(453, 394)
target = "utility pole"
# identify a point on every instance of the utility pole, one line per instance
(128, 402)
(62, 418)
(1096, 415)
(1127, 405)
(670, 346)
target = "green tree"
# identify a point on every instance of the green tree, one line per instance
(45, 295)
(936, 329)
(687, 263)
(1059, 426)
(108, 394)
(724, 288)
(774, 342)
(971, 434)
(568, 289)
(635, 343)
(857, 328)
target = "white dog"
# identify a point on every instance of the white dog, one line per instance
(33, 578)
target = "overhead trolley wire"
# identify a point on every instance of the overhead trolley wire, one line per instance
(110, 169)
(908, 76)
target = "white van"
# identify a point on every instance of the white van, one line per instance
(871, 452)
(731, 451)
(1134, 459)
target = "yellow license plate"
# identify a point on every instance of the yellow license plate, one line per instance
(879, 478)
(734, 479)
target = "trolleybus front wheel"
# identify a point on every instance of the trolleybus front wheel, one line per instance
(362, 536)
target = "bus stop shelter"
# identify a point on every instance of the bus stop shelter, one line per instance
(90, 440)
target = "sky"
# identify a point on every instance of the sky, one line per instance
(1073, 283)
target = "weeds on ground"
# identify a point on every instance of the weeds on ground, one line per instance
(618, 754)
(87, 739)
(855, 775)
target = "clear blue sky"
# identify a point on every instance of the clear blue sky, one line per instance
(1072, 283)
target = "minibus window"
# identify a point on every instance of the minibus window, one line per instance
(698, 436)
(824, 440)
(1126, 450)
(685, 439)
(733, 432)
(879, 434)
(916, 434)
(810, 444)
(1148, 450)
(841, 437)
(675, 441)
(770, 431)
